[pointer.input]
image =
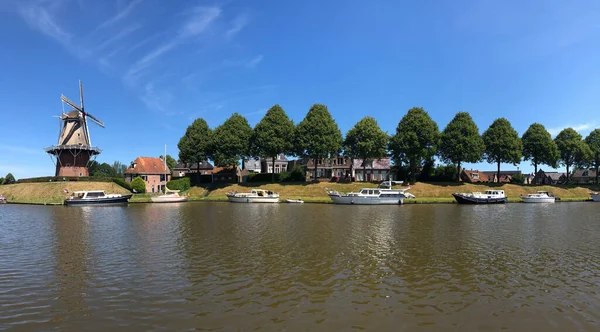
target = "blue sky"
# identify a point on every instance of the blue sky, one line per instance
(150, 67)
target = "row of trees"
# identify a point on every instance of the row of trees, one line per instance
(417, 141)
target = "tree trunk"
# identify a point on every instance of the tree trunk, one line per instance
(535, 167)
(315, 162)
(364, 170)
(597, 161)
(273, 168)
(458, 172)
(198, 174)
(413, 170)
(567, 164)
(498, 176)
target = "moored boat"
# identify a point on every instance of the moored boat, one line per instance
(595, 197)
(96, 197)
(297, 201)
(487, 197)
(383, 195)
(539, 197)
(254, 196)
(170, 196)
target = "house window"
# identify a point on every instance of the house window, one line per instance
(68, 165)
(585, 173)
(162, 177)
(144, 177)
(340, 160)
(475, 176)
(80, 174)
(277, 169)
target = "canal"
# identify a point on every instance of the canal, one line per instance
(220, 266)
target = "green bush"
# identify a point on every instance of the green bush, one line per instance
(65, 179)
(296, 175)
(517, 178)
(9, 179)
(262, 177)
(122, 183)
(179, 184)
(138, 185)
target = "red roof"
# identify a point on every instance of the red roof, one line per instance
(147, 165)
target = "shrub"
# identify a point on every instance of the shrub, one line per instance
(179, 184)
(122, 183)
(517, 178)
(9, 179)
(334, 179)
(138, 185)
(263, 177)
(1, 181)
(297, 174)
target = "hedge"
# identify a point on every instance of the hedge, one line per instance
(122, 183)
(262, 177)
(179, 184)
(66, 179)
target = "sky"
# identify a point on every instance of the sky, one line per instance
(151, 67)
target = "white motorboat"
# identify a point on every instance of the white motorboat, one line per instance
(595, 197)
(254, 196)
(383, 195)
(539, 197)
(170, 196)
(487, 197)
(297, 201)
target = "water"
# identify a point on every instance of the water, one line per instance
(224, 267)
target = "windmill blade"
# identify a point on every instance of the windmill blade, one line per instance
(98, 122)
(81, 94)
(70, 103)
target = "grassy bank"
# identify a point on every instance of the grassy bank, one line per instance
(52, 192)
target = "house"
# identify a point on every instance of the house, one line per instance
(152, 170)
(474, 176)
(182, 169)
(281, 164)
(585, 175)
(327, 168)
(528, 178)
(229, 175)
(373, 170)
(252, 165)
(542, 177)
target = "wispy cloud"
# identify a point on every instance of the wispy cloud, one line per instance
(580, 128)
(120, 35)
(238, 23)
(254, 61)
(39, 18)
(120, 15)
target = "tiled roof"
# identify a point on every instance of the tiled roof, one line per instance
(148, 165)
(218, 170)
(591, 173)
(383, 163)
(279, 158)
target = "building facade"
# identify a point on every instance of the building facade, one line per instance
(252, 165)
(153, 171)
(281, 164)
(542, 177)
(182, 169)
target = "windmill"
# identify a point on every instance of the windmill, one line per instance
(74, 150)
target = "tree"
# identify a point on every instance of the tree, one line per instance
(195, 146)
(416, 139)
(103, 170)
(1, 181)
(138, 185)
(593, 142)
(502, 144)
(572, 149)
(318, 136)
(366, 141)
(9, 179)
(273, 135)
(119, 169)
(460, 142)
(171, 162)
(232, 141)
(517, 178)
(539, 147)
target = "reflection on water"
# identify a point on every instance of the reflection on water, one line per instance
(299, 267)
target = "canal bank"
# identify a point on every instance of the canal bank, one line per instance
(426, 193)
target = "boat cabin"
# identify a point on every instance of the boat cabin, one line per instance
(88, 194)
(369, 191)
(261, 192)
(494, 192)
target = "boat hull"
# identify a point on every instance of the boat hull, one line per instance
(538, 199)
(462, 199)
(296, 201)
(358, 200)
(595, 197)
(243, 199)
(98, 201)
(159, 199)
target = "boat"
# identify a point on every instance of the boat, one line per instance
(487, 197)
(254, 196)
(595, 197)
(297, 201)
(2, 200)
(539, 197)
(382, 195)
(170, 196)
(96, 197)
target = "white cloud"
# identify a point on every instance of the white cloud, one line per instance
(122, 14)
(200, 20)
(39, 18)
(254, 61)
(238, 23)
(580, 128)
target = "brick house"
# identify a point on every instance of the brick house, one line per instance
(585, 175)
(542, 177)
(229, 175)
(281, 164)
(373, 170)
(474, 176)
(152, 170)
(345, 169)
(181, 169)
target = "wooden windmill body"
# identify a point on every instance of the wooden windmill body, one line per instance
(74, 151)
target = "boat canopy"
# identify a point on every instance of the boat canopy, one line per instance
(88, 191)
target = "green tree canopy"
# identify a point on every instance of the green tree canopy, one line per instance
(318, 136)
(102, 170)
(573, 150)
(460, 142)
(273, 135)
(416, 139)
(138, 185)
(9, 179)
(171, 162)
(539, 147)
(119, 168)
(366, 141)
(195, 146)
(232, 141)
(502, 144)
(593, 142)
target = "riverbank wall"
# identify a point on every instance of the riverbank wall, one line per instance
(54, 192)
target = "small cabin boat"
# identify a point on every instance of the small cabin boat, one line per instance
(96, 197)
(539, 197)
(487, 197)
(384, 195)
(297, 201)
(254, 196)
(170, 196)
